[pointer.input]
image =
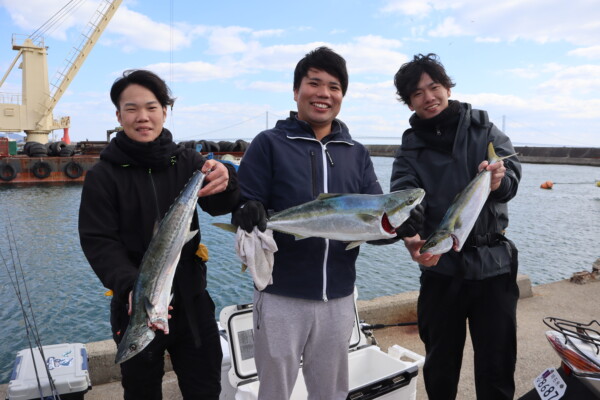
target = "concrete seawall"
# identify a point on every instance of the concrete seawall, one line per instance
(565, 299)
(385, 310)
(527, 154)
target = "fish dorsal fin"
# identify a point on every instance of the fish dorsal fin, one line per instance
(324, 196)
(155, 228)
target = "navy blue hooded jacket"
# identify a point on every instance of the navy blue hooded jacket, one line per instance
(286, 166)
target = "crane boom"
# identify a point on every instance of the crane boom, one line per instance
(104, 14)
(34, 114)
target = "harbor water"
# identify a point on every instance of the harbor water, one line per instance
(556, 231)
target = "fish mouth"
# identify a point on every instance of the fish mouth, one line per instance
(455, 243)
(386, 225)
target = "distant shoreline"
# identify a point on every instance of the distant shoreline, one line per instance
(527, 154)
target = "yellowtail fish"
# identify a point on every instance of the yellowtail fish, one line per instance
(354, 218)
(460, 218)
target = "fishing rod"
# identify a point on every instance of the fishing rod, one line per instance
(31, 329)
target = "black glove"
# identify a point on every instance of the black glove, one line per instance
(413, 224)
(249, 215)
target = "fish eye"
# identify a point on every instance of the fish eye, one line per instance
(132, 347)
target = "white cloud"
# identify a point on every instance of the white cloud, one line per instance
(195, 71)
(265, 86)
(33, 14)
(487, 40)
(541, 21)
(268, 33)
(574, 81)
(137, 31)
(228, 40)
(134, 30)
(592, 52)
(449, 27)
(525, 73)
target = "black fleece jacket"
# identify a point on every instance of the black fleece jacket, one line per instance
(125, 194)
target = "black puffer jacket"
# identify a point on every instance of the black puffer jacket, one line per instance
(444, 174)
(125, 194)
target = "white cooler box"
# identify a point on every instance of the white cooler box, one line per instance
(374, 374)
(68, 366)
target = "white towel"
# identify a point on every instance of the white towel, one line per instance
(256, 252)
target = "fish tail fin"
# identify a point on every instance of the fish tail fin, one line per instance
(227, 227)
(493, 157)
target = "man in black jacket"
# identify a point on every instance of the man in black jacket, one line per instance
(442, 152)
(139, 175)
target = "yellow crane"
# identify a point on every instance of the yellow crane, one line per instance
(31, 112)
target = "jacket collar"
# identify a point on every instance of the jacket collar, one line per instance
(410, 141)
(298, 129)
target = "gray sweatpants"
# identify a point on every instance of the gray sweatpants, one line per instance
(287, 330)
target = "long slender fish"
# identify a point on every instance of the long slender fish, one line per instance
(354, 218)
(460, 217)
(152, 289)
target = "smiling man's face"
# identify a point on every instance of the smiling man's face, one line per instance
(429, 99)
(140, 114)
(319, 100)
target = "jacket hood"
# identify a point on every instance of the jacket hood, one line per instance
(157, 154)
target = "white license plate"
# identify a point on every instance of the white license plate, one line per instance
(550, 385)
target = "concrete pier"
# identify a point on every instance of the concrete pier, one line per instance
(563, 299)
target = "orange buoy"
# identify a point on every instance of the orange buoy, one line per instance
(547, 185)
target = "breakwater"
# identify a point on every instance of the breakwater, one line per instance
(527, 154)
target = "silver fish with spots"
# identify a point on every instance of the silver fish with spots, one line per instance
(152, 289)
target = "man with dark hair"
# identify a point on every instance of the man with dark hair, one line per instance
(442, 152)
(139, 175)
(307, 313)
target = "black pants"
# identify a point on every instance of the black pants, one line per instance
(198, 369)
(444, 306)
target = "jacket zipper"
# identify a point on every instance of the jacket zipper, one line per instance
(313, 166)
(158, 218)
(325, 155)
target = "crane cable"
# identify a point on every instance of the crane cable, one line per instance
(58, 18)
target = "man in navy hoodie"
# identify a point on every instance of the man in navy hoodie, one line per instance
(308, 311)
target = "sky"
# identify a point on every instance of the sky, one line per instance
(534, 65)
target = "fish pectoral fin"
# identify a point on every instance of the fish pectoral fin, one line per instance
(227, 227)
(354, 244)
(148, 306)
(190, 235)
(368, 217)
